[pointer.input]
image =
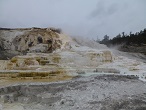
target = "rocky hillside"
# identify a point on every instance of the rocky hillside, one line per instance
(48, 50)
(31, 39)
(134, 48)
(45, 55)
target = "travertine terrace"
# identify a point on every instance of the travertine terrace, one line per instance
(43, 51)
(42, 68)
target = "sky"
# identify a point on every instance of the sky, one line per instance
(86, 18)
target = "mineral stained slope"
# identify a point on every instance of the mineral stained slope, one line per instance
(48, 50)
(102, 78)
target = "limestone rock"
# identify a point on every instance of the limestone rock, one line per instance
(29, 38)
(39, 48)
(49, 50)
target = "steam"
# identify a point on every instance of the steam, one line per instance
(76, 17)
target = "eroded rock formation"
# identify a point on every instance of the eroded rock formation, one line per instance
(31, 39)
(49, 50)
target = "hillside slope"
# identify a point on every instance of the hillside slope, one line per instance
(48, 50)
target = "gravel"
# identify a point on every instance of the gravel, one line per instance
(97, 92)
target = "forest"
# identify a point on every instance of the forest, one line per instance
(136, 39)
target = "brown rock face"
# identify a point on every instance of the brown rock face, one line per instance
(23, 40)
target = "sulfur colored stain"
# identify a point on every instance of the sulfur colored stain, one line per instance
(33, 77)
(56, 59)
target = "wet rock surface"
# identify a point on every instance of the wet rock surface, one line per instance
(102, 92)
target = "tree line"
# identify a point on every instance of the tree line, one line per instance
(138, 39)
